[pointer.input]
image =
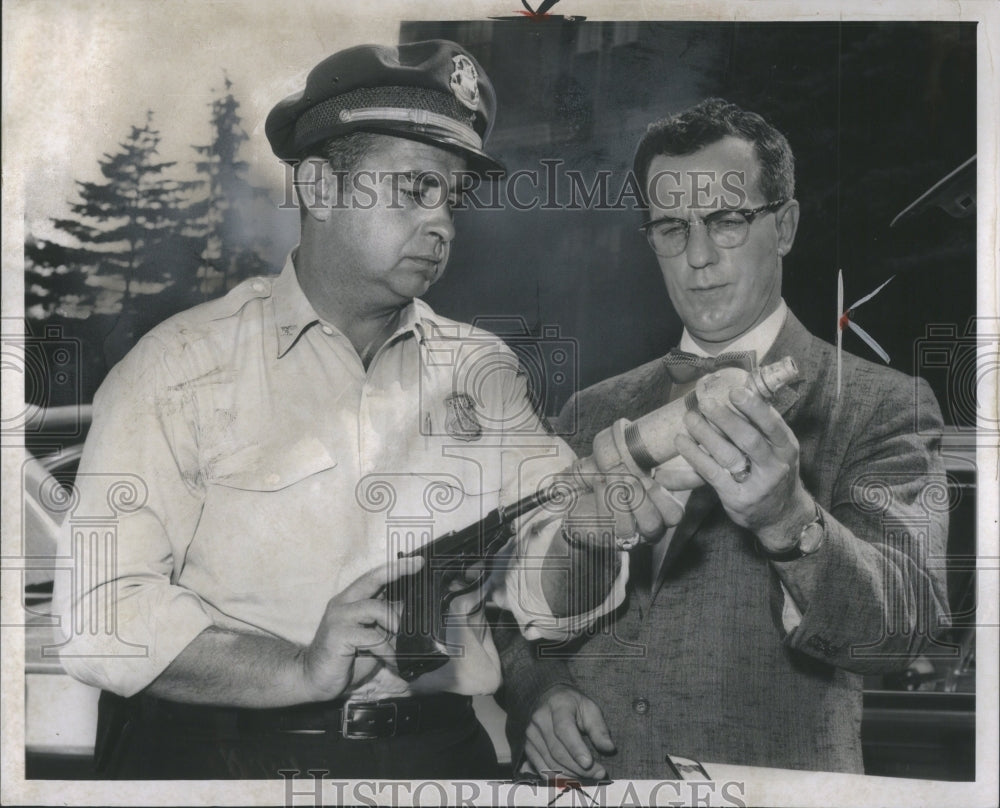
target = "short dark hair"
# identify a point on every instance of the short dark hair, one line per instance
(708, 122)
(346, 153)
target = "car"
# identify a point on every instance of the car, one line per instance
(61, 713)
(921, 722)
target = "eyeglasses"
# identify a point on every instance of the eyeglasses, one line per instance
(668, 236)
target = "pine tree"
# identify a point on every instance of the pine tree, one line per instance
(53, 278)
(133, 225)
(231, 253)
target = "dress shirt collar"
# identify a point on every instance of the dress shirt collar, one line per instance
(759, 338)
(293, 313)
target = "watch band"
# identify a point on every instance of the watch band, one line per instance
(796, 552)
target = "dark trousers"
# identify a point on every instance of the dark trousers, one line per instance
(143, 739)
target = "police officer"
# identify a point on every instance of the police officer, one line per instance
(276, 437)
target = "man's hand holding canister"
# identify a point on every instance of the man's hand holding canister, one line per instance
(766, 495)
(642, 507)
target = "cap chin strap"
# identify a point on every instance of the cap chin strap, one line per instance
(430, 122)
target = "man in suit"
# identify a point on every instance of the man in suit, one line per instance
(804, 556)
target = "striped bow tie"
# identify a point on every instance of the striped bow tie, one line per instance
(685, 367)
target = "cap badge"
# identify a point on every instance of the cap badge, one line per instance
(465, 82)
(461, 422)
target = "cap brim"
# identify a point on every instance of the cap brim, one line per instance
(478, 161)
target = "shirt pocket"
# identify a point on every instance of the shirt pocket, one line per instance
(266, 525)
(257, 468)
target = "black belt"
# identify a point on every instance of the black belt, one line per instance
(355, 720)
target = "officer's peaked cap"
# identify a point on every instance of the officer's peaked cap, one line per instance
(433, 91)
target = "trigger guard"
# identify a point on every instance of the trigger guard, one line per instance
(448, 597)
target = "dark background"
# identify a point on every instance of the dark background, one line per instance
(876, 113)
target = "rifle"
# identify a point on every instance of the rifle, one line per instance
(637, 447)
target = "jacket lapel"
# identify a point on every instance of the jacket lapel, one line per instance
(793, 340)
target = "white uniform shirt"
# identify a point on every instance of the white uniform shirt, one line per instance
(243, 467)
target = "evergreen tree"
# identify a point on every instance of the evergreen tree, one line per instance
(53, 277)
(125, 226)
(231, 253)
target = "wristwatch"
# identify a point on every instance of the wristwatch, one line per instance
(809, 541)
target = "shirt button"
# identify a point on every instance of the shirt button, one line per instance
(328, 331)
(641, 706)
(273, 479)
(257, 286)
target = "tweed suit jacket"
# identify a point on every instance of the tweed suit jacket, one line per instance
(699, 662)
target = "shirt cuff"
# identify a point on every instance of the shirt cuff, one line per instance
(520, 590)
(148, 631)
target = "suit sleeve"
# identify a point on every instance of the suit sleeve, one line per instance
(878, 597)
(526, 678)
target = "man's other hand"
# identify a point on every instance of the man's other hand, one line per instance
(565, 730)
(640, 506)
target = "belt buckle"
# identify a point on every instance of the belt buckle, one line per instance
(347, 729)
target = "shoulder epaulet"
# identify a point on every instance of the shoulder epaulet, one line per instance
(237, 297)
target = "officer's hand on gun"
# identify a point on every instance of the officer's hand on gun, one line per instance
(356, 633)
